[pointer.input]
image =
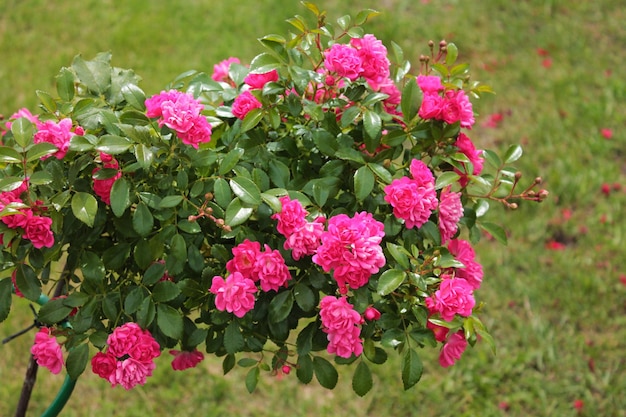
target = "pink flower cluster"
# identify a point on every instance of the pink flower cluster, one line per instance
(129, 357)
(185, 359)
(451, 106)
(467, 148)
(47, 351)
(234, 294)
(57, 133)
(35, 228)
(351, 249)
(471, 271)
(102, 187)
(220, 70)
(342, 324)
(454, 296)
(452, 350)
(364, 57)
(302, 236)
(23, 112)
(450, 212)
(180, 112)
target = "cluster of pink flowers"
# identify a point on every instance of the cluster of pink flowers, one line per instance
(182, 113)
(451, 106)
(57, 133)
(452, 349)
(23, 112)
(235, 294)
(47, 351)
(221, 69)
(185, 359)
(302, 236)
(471, 271)
(454, 296)
(35, 228)
(351, 249)
(102, 187)
(342, 324)
(129, 357)
(247, 101)
(450, 212)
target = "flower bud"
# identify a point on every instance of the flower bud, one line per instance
(538, 180)
(518, 175)
(543, 194)
(371, 314)
(286, 369)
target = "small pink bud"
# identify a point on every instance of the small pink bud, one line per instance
(286, 369)
(371, 314)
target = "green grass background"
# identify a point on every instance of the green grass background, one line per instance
(558, 316)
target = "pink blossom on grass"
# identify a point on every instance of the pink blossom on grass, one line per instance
(351, 249)
(450, 212)
(234, 294)
(452, 350)
(606, 133)
(244, 103)
(454, 296)
(47, 351)
(343, 60)
(185, 359)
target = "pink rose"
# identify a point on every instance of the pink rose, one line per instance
(19, 219)
(467, 148)
(130, 339)
(235, 294)
(58, 134)
(450, 212)
(244, 259)
(37, 230)
(431, 107)
(220, 70)
(244, 103)
(291, 217)
(342, 324)
(186, 359)
(199, 132)
(452, 349)
(130, 373)
(258, 81)
(47, 351)
(180, 113)
(103, 364)
(343, 60)
(102, 188)
(421, 173)
(429, 84)
(411, 202)
(472, 271)
(373, 56)
(23, 112)
(345, 344)
(457, 108)
(371, 314)
(271, 270)
(440, 332)
(454, 296)
(153, 104)
(305, 240)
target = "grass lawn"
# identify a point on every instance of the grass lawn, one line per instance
(555, 297)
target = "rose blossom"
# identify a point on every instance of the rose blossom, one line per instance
(467, 148)
(47, 351)
(342, 325)
(102, 187)
(454, 296)
(244, 258)
(429, 84)
(291, 217)
(457, 108)
(23, 112)
(103, 364)
(343, 60)
(371, 314)
(131, 372)
(180, 112)
(235, 294)
(37, 230)
(305, 240)
(373, 56)
(450, 212)
(258, 81)
(271, 270)
(153, 104)
(199, 132)
(351, 248)
(244, 103)
(421, 173)
(452, 349)
(58, 134)
(472, 271)
(440, 332)
(411, 202)
(130, 339)
(431, 107)
(186, 359)
(220, 70)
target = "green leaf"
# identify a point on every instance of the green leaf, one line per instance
(252, 118)
(77, 360)
(304, 369)
(144, 156)
(81, 143)
(53, 312)
(221, 192)
(362, 381)
(264, 62)
(170, 201)
(236, 213)
(492, 158)
(113, 144)
(120, 196)
(411, 101)
(252, 378)
(177, 258)
(23, 131)
(373, 125)
(390, 280)
(364, 15)
(189, 227)
(10, 155)
(170, 321)
(146, 313)
(5, 298)
(451, 54)
(304, 341)
(305, 297)
(10, 183)
(154, 273)
(233, 339)
(165, 291)
(133, 300)
(246, 190)
(400, 255)
(65, 84)
(85, 207)
(513, 154)
(446, 178)
(412, 368)
(230, 160)
(350, 115)
(281, 306)
(39, 150)
(47, 101)
(495, 230)
(325, 372)
(142, 219)
(279, 173)
(92, 267)
(95, 74)
(228, 363)
(134, 96)
(363, 182)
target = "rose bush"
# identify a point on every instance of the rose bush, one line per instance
(323, 198)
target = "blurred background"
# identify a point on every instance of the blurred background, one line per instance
(555, 297)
